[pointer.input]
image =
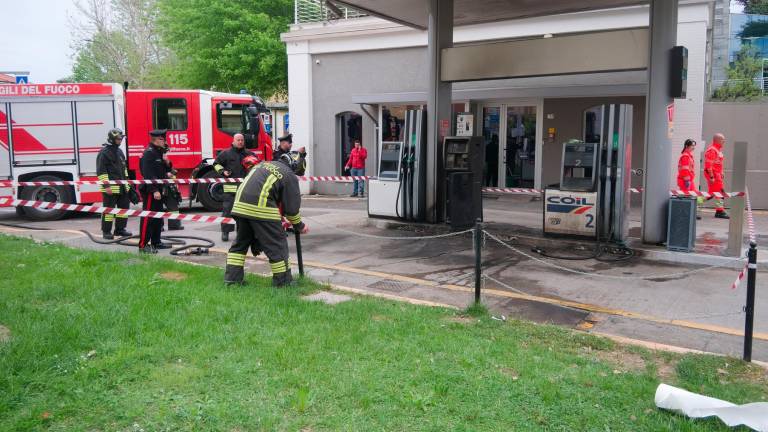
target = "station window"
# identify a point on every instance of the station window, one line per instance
(229, 118)
(170, 114)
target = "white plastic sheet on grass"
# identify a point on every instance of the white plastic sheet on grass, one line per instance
(752, 415)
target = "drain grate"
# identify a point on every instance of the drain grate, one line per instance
(392, 286)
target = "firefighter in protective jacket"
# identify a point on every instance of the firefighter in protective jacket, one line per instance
(268, 186)
(713, 172)
(111, 165)
(229, 163)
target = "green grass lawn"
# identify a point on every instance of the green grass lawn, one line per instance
(106, 341)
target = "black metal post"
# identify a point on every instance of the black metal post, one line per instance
(478, 237)
(749, 321)
(298, 252)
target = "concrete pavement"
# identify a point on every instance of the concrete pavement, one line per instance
(697, 310)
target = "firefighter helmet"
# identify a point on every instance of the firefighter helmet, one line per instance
(113, 135)
(250, 162)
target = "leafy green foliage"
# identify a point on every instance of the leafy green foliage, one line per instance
(754, 29)
(228, 45)
(755, 6)
(118, 42)
(741, 84)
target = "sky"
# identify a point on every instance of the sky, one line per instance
(36, 37)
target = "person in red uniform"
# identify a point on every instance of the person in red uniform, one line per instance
(713, 172)
(356, 166)
(686, 170)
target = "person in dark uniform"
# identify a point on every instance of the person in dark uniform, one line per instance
(285, 143)
(152, 167)
(267, 187)
(110, 165)
(171, 194)
(229, 163)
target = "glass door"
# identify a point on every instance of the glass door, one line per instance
(491, 137)
(511, 135)
(520, 147)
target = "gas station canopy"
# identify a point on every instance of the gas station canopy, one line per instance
(415, 13)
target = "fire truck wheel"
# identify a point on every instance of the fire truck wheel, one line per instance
(210, 194)
(61, 194)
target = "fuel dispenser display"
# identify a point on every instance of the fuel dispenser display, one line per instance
(593, 197)
(399, 191)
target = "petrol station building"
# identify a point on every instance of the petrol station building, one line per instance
(519, 75)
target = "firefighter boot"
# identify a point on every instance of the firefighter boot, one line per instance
(280, 279)
(107, 236)
(123, 233)
(234, 275)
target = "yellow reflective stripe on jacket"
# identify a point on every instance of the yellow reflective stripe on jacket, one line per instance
(256, 212)
(294, 220)
(278, 267)
(235, 259)
(218, 167)
(265, 190)
(230, 188)
(245, 180)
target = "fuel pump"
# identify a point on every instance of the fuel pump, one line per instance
(400, 188)
(593, 196)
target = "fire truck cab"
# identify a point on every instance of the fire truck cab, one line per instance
(52, 132)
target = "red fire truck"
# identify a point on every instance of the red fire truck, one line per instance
(51, 132)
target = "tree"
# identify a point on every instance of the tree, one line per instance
(228, 45)
(755, 6)
(754, 29)
(119, 42)
(741, 84)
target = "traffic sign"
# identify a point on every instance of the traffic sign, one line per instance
(22, 79)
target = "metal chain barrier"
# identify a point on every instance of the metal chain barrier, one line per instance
(373, 236)
(600, 275)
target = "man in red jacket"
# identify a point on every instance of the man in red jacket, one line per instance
(356, 165)
(713, 172)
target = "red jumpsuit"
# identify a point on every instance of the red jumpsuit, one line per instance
(713, 171)
(686, 172)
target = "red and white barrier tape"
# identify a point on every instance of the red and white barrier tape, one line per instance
(740, 276)
(5, 202)
(512, 190)
(752, 238)
(750, 219)
(633, 190)
(168, 181)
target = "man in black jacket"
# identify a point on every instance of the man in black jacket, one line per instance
(110, 165)
(268, 187)
(285, 143)
(229, 163)
(152, 167)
